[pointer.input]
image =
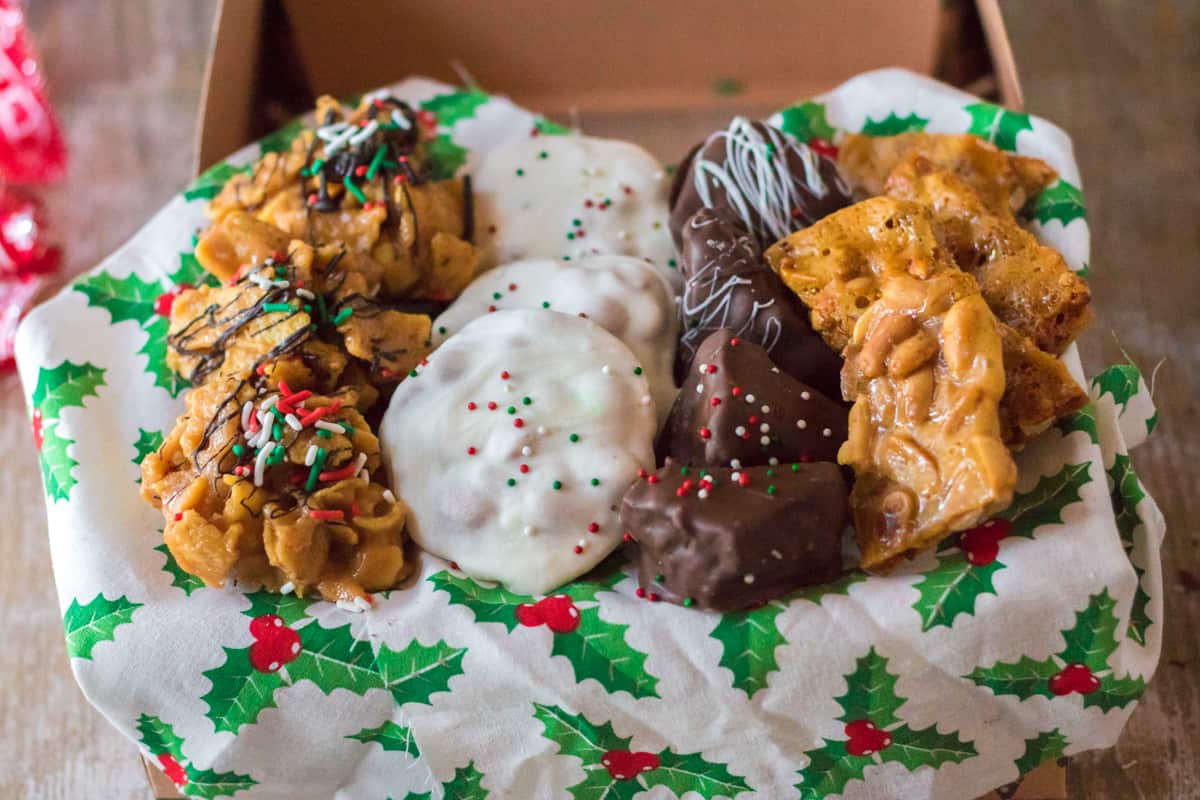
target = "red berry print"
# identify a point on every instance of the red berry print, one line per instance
(529, 615)
(275, 644)
(37, 428)
(865, 738)
(164, 302)
(1074, 678)
(823, 147)
(559, 612)
(623, 765)
(981, 545)
(172, 769)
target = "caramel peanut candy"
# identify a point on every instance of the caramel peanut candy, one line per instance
(1027, 284)
(926, 370)
(1005, 182)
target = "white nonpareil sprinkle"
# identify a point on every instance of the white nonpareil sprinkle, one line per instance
(703, 368)
(702, 494)
(805, 396)
(749, 578)
(699, 388)
(332, 427)
(541, 430)
(526, 450)
(764, 441)
(740, 430)
(736, 463)
(827, 433)
(777, 554)
(736, 476)
(772, 461)
(387, 495)
(749, 398)
(606, 369)
(582, 543)
(775, 370)
(646, 400)
(287, 588)
(293, 422)
(310, 457)
(766, 409)
(801, 424)
(764, 428)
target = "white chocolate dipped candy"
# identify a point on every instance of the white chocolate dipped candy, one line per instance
(624, 295)
(513, 445)
(567, 197)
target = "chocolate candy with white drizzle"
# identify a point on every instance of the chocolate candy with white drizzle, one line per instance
(729, 539)
(727, 285)
(737, 409)
(760, 176)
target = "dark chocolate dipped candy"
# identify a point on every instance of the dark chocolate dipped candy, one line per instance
(729, 539)
(727, 285)
(764, 178)
(737, 409)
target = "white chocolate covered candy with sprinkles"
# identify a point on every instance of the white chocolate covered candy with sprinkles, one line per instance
(569, 197)
(624, 295)
(513, 446)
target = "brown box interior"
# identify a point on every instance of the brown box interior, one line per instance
(663, 74)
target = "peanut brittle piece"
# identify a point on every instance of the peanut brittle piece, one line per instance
(236, 239)
(1005, 182)
(925, 368)
(1027, 284)
(836, 268)
(391, 342)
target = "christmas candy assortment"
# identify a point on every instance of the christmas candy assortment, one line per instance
(520, 446)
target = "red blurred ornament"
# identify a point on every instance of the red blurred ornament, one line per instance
(32, 149)
(23, 248)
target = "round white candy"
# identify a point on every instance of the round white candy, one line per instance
(568, 197)
(625, 296)
(457, 462)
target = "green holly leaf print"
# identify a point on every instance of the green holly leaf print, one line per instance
(288, 607)
(1093, 638)
(391, 737)
(599, 785)
(1139, 612)
(281, 140)
(997, 125)
(147, 443)
(490, 603)
(210, 182)
(455, 106)
(748, 643)
(1026, 678)
(951, 588)
(1082, 420)
(239, 692)
(1061, 201)
(576, 736)
(179, 578)
(417, 671)
(1126, 493)
(159, 737)
(65, 386)
(1044, 504)
(1044, 747)
(817, 594)
(57, 465)
(830, 769)
(892, 125)
(208, 784)
(1151, 423)
(333, 659)
(689, 772)
(192, 273)
(445, 157)
(1119, 380)
(870, 692)
(597, 649)
(128, 298)
(806, 122)
(467, 784)
(1115, 692)
(155, 351)
(926, 748)
(550, 127)
(89, 625)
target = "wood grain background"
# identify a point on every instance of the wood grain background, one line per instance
(1122, 77)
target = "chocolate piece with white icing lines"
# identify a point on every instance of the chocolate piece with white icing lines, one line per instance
(513, 446)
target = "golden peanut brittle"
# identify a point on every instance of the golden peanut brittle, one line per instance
(1005, 182)
(1027, 284)
(837, 267)
(925, 368)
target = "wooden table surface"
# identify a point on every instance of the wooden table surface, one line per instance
(1123, 77)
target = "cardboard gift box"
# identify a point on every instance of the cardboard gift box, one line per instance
(663, 74)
